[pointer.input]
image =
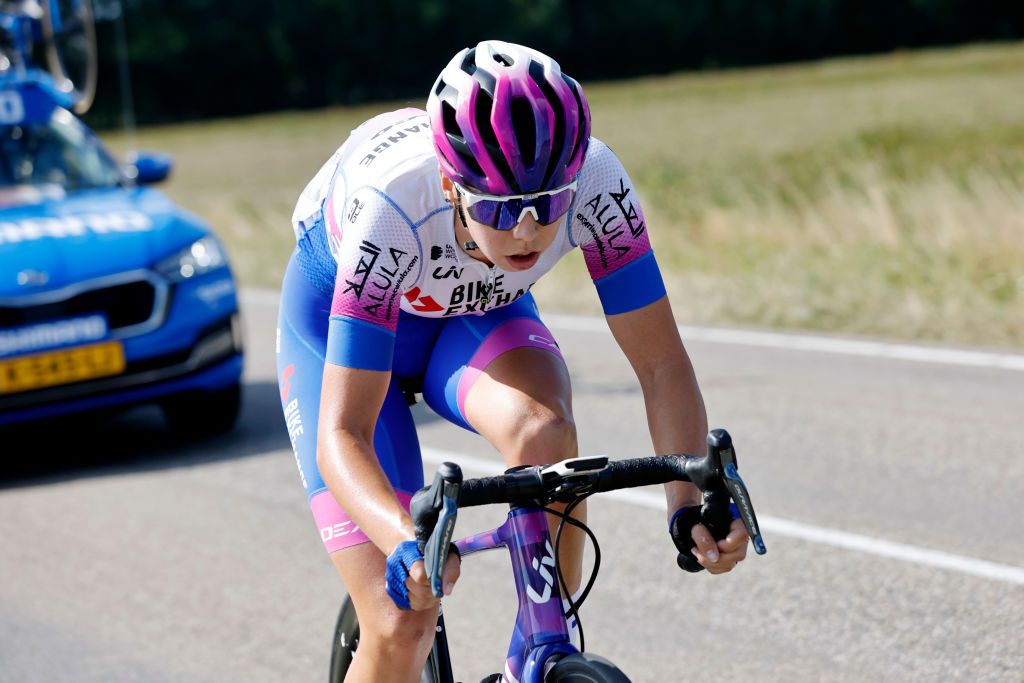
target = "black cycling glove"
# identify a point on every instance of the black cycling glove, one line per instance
(716, 514)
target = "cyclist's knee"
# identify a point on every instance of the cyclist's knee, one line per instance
(398, 634)
(540, 436)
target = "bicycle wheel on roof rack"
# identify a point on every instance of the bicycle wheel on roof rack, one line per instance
(70, 37)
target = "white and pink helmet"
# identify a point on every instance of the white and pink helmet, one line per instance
(507, 121)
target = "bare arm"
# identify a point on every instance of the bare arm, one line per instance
(675, 409)
(350, 401)
(675, 414)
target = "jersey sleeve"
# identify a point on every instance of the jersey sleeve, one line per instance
(609, 227)
(379, 258)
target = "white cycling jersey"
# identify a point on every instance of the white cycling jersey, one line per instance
(379, 203)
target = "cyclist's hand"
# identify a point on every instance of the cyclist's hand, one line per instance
(418, 585)
(721, 556)
(694, 530)
(406, 581)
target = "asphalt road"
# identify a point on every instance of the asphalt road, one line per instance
(128, 555)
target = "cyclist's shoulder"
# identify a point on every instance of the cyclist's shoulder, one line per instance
(385, 168)
(388, 146)
(601, 164)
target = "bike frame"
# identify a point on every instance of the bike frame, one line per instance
(540, 630)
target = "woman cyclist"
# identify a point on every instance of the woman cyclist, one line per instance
(418, 242)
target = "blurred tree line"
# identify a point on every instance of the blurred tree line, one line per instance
(206, 58)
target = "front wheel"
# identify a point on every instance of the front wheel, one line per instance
(584, 667)
(346, 642)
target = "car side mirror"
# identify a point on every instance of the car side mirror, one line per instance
(146, 168)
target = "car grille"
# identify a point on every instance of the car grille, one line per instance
(123, 305)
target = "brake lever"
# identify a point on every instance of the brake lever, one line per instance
(446, 486)
(723, 457)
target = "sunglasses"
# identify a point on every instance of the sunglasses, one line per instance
(504, 212)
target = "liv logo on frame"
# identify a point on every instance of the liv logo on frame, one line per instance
(541, 567)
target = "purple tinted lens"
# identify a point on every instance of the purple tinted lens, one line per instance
(486, 212)
(557, 205)
(504, 215)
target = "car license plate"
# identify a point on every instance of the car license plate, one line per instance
(61, 367)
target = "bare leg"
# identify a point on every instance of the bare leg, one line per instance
(522, 404)
(393, 643)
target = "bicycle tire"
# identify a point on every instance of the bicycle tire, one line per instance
(346, 642)
(584, 667)
(73, 41)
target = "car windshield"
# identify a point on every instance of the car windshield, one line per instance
(59, 154)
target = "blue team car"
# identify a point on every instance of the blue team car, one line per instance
(110, 294)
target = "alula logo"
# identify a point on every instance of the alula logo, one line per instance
(540, 565)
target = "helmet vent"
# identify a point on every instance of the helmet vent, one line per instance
(484, 103)
(557, 143)
(581, 131)
(448, 117)
(504, 60)
(469, 62)
(525, 129)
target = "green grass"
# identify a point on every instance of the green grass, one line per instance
(880, 196)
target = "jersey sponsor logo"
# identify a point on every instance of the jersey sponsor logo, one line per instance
(286, 378)
(387, 283)
(52, 335)
(12, 107)
(441, 273)
(367, 259)
(628, 211)
(543, 340)
(338, 530)
(477, 297)
(293, 421)
(424, 304)
(608, 227)
(379, 277)
(355, 209)
(540, 565)
(31, 229)
(437, 251)
(394, 136)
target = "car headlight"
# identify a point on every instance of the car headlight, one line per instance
(200, 257)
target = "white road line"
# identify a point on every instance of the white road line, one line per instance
(772, 340)
(821, 344)
(784, 527)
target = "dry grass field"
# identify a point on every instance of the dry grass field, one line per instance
(880, 196)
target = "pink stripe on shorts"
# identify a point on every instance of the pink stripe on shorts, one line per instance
(507, 336)
(337, 530)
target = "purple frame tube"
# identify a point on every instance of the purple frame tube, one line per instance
(540, 629)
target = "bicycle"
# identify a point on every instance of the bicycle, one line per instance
(66, 33)
(540, 649)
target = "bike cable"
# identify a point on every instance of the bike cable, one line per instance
(574, 605)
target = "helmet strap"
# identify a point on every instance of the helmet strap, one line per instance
(462, 215)
(468, 245)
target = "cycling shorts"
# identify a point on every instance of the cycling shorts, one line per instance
(442, 357)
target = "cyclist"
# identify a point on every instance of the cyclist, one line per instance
(418, 242)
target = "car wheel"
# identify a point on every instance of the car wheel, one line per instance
(203, 413)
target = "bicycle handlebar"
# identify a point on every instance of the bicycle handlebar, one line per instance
(434, 507)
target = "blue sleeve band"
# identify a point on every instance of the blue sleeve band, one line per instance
(631, 287)
(353, 343)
